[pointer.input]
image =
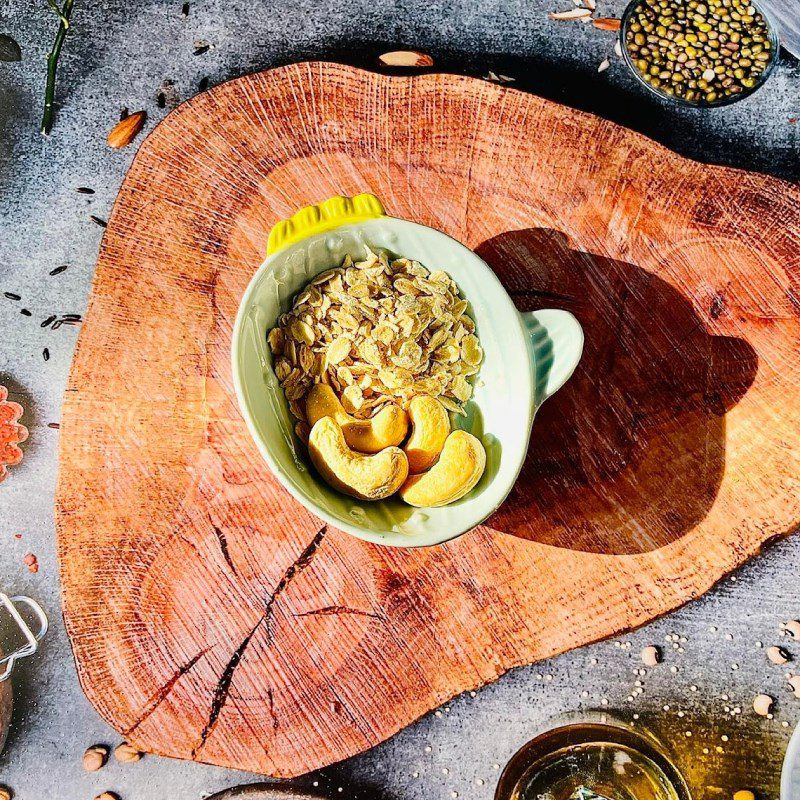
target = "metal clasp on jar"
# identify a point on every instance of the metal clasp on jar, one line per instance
(31, 639)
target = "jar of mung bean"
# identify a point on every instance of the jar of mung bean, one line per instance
(700, 52)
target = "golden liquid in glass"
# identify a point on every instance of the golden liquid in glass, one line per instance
(591, 761)
(595, 771)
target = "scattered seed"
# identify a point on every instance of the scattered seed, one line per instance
(46, 354)
(25, 312)
(604, 65)
(200, 48)
(793, 627)
(607, 23)
(49, 321)
(31, 562)
(651, 655)
(777, 655)
(573, 13)
(618, 48)
(101, 222)
(11, 296)
(762, 704)
(95, 757)
(167, 94)
(53, 425)
(59, 270)
(185, 9)
(203, 85)
(84, 190)
(127, 753)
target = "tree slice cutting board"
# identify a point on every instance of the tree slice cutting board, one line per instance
(211, 616)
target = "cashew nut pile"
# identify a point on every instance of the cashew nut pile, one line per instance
(361, 458)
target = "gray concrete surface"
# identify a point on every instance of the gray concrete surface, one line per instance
(117, 54)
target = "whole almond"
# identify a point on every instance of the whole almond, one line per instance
(125, 131)
(405, 58)
(607, 23)
(127, 753)
(95, 758)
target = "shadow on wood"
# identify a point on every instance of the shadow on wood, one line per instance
(629, 456)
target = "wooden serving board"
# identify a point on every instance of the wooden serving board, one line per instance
(211, 616)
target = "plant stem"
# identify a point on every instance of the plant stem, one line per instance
(52, 66)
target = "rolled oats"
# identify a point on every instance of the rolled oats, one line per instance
(377, 332)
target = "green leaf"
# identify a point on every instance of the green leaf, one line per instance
(9, 49)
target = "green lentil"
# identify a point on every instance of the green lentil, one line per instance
(678, 45)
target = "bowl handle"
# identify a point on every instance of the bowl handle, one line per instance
(333, 213)
(556, 339)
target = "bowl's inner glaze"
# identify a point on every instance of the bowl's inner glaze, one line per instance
(499, 414)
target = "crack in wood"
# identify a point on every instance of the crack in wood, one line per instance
(223, 546)
(223, 687)
(541, 293)
(295, 568)
(335, 610)
(162, 694)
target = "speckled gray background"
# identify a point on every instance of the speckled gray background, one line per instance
(117, 54)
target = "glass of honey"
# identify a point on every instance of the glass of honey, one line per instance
(595, 757)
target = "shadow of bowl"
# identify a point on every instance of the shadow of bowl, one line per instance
(629, 456)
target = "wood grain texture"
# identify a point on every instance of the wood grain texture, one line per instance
(211, 616)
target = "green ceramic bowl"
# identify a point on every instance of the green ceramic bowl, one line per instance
(527, 357)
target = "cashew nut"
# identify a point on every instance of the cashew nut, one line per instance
(367, 477)
(388, 427)
(431, 429)
(458, 469)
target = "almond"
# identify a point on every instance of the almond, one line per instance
(125, 131)
(607, 23)
(107, 796)
(405, 58)
(574, 13)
